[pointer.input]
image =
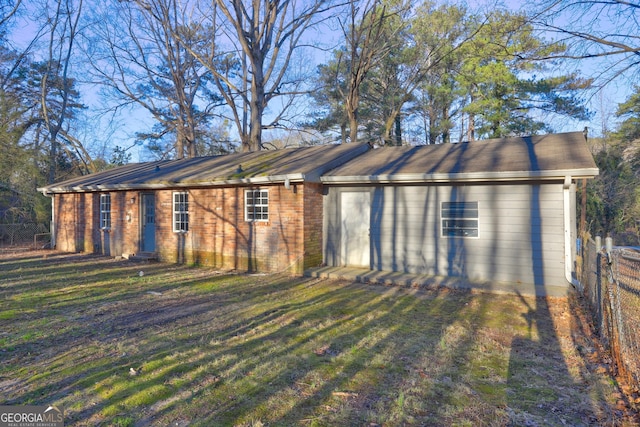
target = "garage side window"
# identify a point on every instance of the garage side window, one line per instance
(256, 206)
(180, 212)
(459, 219)
(105, 211)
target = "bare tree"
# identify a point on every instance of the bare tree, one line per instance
(367, 43)
(8, 9)
(63, 28)
(594, 29)
(142, 54)
(257, 47)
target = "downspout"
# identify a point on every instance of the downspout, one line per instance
(568, 273)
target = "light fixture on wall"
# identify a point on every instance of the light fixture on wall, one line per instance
(133, 200)
(287, 183)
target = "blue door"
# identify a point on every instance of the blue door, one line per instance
(148, 222)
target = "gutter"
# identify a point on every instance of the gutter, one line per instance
(568, 262)
(273, 179)
(408, 178)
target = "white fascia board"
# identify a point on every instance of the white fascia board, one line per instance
(262, 180)
(458, 177)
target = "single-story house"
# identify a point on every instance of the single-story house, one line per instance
(502, 210)
(259, 211)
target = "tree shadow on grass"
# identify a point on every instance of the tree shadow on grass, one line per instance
(353, 368)
(542, 388)
(198, 349)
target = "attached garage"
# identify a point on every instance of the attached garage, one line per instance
(498, 210)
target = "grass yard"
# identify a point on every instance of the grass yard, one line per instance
(118, 343)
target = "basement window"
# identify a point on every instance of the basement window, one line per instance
(256, 206)
(459, 219)
(180, 212)
(105, 211)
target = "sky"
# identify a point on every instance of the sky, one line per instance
(106, 131)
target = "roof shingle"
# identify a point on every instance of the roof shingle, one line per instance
(518, 157)
(541, 156)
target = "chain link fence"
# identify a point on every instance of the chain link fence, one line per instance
(611, 281)
(25, 235)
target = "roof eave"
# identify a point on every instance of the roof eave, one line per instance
(410, 178)
(262, 180)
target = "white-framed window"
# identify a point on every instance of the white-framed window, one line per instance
(180, 212)
(459, 219)
(256, 205)
(105, 211)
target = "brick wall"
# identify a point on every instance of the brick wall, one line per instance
(218, 235)
(313, 225)
(73, 214)
(77, 225)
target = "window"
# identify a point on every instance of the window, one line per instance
(256, 207)
(459, 219)
(180, 212)
(105, 211)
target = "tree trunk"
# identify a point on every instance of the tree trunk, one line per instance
(191, 138)
(180, 137)
(351, 107)
(353, 128)
(387, 131)
(446, 137)
(431, 128)
(256, 108)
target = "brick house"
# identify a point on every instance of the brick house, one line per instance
(258, 211)
(495, 210)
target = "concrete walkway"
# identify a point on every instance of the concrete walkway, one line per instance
(389, 278)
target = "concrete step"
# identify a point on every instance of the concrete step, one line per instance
(144, 256)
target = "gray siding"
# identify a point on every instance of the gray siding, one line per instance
(521, 231)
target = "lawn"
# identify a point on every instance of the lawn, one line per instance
(118, 343)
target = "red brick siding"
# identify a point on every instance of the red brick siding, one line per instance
(313, 225)
(77, 223)
(218, 234)
(72, 225)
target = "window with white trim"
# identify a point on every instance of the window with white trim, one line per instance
(105, 211)
(256, 205)
(459, 219)
(180, 212)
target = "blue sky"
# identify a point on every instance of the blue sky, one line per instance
(101, 133)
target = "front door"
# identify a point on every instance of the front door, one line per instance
(355, 219)
(148, 222)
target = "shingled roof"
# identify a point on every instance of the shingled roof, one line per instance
(294, 164)
(554, 156)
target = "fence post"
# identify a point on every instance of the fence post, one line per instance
(598, 286)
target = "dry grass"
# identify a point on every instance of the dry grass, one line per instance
(191, 346)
